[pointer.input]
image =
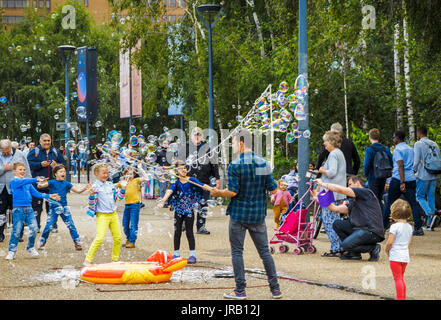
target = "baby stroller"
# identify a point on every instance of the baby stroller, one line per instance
(294, 229)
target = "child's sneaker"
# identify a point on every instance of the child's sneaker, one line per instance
(33, 252)
(236, 295)
(175, 256)
(191, 260)
(10, 255)
(41, 245)
(130, 245)
(78, 246)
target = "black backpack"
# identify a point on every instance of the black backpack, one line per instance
(382, 164)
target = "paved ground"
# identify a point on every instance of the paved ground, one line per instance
(55, 274)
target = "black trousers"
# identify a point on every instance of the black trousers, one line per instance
(377, 187)
(37, 206)
(202, 210)
(179, 221)
(5, 204)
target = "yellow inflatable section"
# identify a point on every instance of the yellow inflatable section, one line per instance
(159, 267)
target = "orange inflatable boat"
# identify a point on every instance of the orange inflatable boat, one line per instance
(159, 267)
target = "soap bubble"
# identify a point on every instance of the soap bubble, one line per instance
(3, 99)
(307, 134)
(151, 148)
(98, 124)
(133, 141)
(132, 129)
(300, 114)
(145, 126)
(290, 137)
(56, 117)
(283, 86)
(281, 99)
(37, 106)
(239, 118)
(173, 147)
(70, 145)
(297, 133)
(82, 146)
(18, 48)
(81, 112)
(277, 140)
(23, 128)
(157, 114)
(294, 126)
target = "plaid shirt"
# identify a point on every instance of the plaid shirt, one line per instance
(250, 177)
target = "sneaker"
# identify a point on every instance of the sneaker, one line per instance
(350, 256)
(78, 246)
(10, 255)
(236, 295)
(41, 245)
(202, 230)
(191, 260)
(375, 253)
(418, 232)
(130, 245)
(428, 228)
(33, 252)
(277, 294)
(175, 256)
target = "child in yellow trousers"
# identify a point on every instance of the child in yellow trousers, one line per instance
(102, 205)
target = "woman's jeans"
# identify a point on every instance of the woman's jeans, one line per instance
(130, 221)
(21, 215)
(237, 231)
(66, 216)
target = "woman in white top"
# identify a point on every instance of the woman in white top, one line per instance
(333, 171)
(398, 244)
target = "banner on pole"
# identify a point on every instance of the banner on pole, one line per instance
(136, 86)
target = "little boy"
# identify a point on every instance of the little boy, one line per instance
(102, 204)
(22, 192)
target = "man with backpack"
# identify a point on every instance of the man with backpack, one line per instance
(403, 182)
(377, 164)
(426, 164)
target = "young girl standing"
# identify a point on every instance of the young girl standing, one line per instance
(398, 244)
(184, 196)
(281, 199)
(103, 205)
(133, 205)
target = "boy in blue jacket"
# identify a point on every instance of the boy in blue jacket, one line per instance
(22, 192)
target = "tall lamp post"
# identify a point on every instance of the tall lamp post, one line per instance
(210, 10)
(303, 145)
(66, 52)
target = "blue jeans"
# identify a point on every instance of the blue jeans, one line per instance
(425, 189)
(355, 240)
(130, 221)
(65, 214)
(259, 236)
(394, 193)
(20, 216)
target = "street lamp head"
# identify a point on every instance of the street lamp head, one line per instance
(209, 8)
(66, 52)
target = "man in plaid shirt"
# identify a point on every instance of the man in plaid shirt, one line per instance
(249, 179)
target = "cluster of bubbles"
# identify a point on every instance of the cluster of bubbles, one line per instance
(279, 111)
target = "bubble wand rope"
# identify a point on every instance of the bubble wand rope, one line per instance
(152, 166)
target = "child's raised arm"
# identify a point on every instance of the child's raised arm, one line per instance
(78, 190)
(167, 195)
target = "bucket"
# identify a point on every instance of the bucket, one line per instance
(325, 198)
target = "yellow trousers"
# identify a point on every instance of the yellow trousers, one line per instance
(106, 221)
(278, 211)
